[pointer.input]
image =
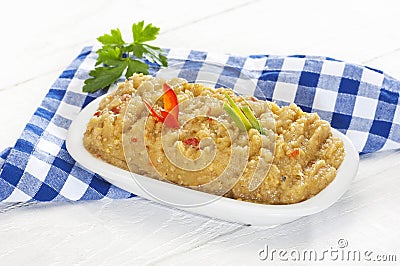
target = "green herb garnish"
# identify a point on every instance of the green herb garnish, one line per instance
(243, 117)
(116, 55)
(235, 117)
(253, 120)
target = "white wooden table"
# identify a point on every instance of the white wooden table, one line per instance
(40, 38)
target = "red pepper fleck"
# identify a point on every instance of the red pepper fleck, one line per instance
(210, 119)
(116, 110)
(134, 140)
(294, 153)
(194, 142)
(97, 113)
(253, 99)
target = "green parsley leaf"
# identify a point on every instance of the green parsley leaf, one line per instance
(143, 34)
(114, 39)
(109, 56)
(154, 54)
(136, 66)
(137, 50)
(116, 56)
(102, 77)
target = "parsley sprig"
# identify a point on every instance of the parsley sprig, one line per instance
(116, 56)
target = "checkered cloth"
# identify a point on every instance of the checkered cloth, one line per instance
(361, 102)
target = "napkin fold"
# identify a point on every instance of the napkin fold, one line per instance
(359, 101)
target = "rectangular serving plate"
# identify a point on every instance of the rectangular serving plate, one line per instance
(206, 204)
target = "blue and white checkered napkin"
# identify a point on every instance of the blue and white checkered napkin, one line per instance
(359, 101)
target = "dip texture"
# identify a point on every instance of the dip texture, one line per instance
(293, 160)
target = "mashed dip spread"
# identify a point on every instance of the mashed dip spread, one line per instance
(292, 159)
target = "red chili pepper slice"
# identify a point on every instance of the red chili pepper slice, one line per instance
(169, 115)
(170, 120)
(153, 112)
(170, 101)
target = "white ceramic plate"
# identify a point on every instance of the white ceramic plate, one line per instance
(217, 207)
